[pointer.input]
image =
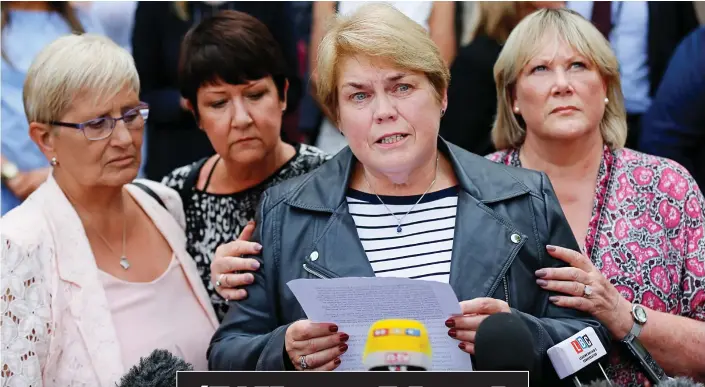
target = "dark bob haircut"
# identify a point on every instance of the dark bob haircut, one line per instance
(232, 47)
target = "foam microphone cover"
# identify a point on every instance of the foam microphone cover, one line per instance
(503, 342)
(156, 370)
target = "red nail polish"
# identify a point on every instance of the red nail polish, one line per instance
(344, 337)
(333, 328)
(452, 332)
(337, 361)
(343, 347)
(461, 346)
(450, 323)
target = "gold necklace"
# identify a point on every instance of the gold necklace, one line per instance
(123, 258)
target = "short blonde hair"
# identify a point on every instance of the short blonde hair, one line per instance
(525, 41)
(75, 64)
(379, 31)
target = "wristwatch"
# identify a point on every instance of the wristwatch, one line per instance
(8, 171)
(651, 369)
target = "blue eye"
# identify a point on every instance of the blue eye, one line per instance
(578, 65)
(539, 68)
(358, 97)
(403, 88)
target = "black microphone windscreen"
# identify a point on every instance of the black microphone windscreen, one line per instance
(503, 342)
(156, 370)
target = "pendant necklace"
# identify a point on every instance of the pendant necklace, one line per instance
(399, 220)
(123, 257)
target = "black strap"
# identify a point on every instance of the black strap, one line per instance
(150, 192)
(210, 174)
(186, 190)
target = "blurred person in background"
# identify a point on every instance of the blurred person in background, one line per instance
(437, 17)
(469, 118)
(674, 125)
(234, 78)
(95, 274)
(174, 136)
(638, 218)
(643, 35)
(27, 27)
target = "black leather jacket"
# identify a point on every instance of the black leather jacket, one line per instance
(310, 213)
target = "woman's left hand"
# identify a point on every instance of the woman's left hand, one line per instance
(585, 287)
(474, 311)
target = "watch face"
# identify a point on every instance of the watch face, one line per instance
(639, 314)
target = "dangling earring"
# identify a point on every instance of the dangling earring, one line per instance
(607, 100)
(516, 109)
(53, 162)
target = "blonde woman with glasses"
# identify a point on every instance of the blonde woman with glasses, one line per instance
(638, 218)
(95, 273)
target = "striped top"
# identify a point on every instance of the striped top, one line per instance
(423, 247)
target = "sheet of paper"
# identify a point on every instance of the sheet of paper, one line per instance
(355, 303)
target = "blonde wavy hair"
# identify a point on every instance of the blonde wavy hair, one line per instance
(379, 31)
(525, 41)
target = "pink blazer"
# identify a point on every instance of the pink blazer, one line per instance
(56, 327)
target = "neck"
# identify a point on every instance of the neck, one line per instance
(237, 176)
(100, 205)
(414, 182)
(28, 5)
(561, 159)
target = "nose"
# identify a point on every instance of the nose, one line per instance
(241, 116)
(561, 84)
(121, 136)
(385, 110)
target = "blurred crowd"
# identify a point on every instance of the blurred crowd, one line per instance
(646, 37)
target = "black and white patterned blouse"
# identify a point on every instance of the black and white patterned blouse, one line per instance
(215, 219)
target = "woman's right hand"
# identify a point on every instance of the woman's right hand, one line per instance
(319, 344)
(228, 262)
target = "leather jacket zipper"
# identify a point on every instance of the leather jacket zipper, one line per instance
(506, 290)
(319, 271)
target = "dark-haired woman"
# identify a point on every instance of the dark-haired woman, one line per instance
(27, 27)
(233, 75)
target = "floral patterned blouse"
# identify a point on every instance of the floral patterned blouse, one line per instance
(646, 237)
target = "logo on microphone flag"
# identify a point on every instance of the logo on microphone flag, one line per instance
(581, 343)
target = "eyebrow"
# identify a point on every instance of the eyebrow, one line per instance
(358, 85)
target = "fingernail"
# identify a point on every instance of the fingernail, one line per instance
(333, 328)
(250, 278)
(255, 265)
(450, 323)
(540, 273)
(258, 247)
(553, 298)
(336, 361)
(452, 332)
(251, 222)
(344, 337)
(343, 347)
(461, 346)
(550, 248)
(541, 282)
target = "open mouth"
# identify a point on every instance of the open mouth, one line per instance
(392, 139)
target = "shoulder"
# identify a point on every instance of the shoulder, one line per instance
(170, 197)
(311, 157)
(499, 156)
(661, 175)
(25, 225)
(176, 178)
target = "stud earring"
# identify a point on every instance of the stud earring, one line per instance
(53, 162)
(516, 109)
(607, 100)
(443, 112)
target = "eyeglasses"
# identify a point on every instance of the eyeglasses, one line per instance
(102, 127)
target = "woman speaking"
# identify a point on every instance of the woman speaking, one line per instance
(397, 202)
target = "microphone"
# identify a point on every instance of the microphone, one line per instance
(156, 370)
(503, 342)
(670, 382)
(397, 345)
(572, 355)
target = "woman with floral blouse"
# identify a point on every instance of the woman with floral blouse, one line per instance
(638, 218)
